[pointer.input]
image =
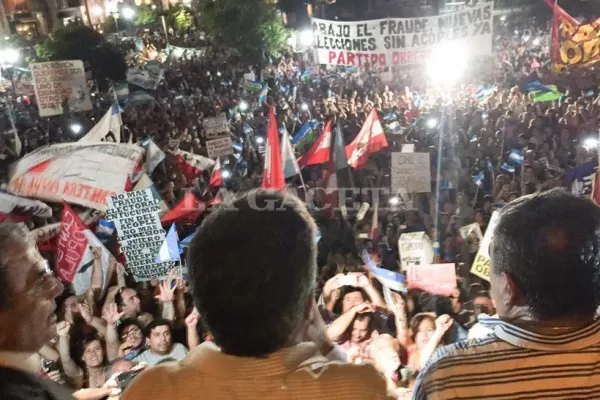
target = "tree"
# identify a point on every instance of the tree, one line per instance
(252, 27)
(180, 18)
(77, 42)
(146, 15)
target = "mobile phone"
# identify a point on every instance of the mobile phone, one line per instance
(125, 378)
(348, 280)
(49, 366)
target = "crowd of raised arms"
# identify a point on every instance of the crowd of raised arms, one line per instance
(283, 304)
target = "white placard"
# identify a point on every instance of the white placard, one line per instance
(415, 249)
(411, 171)
(483, 262)
(59, 81)
(219, 147)
(403, 41)
(215, 125)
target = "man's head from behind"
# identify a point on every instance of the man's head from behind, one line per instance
(253, 272)
(27, 294)
(545, 257)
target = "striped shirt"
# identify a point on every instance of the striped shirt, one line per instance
(512, 363)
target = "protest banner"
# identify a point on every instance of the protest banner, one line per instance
(148, 78)
(140, 233)
(58, 81)
(215, 126)
(402, 41)
(18, 208)
(219, 147)
(411, 171)
(84, 174)
(472, 236)
(437, 279)
(483, 263)
(575, 45)
(415, 249)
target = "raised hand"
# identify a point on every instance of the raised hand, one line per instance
(192, 320)
(111, 314)
(63, 328)
(86, 312)
(166, 293)
(97, 252)
(443, 323)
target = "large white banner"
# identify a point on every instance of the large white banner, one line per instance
(84, 174)
(59, 81)
(402, 41)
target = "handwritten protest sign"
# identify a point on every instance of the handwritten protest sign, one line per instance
(482, 264)
(411, 171)
(135, 215)
(59, 81)
(437, 279)
(215, 126)
(472, 236)
(84, 174)
(219, 147)
(402, 41)
(415, 249)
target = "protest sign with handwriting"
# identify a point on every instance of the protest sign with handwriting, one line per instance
(411, 171)
(483, 263)
(415, 249)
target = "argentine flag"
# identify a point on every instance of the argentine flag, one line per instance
(169, 250)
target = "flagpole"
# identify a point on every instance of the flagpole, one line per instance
(476, 193)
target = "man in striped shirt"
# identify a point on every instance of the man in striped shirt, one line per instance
(546, 285)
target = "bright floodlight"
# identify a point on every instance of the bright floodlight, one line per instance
(226, 174)
(76, 128)
(128, 12)
(536, 41)
(243, 106)
(432, 123)
(97, 11)
(304, 107)
(306, 38)
(260, 140)
(153, 7)
(447, 63)
(503, 18)
(394, 201)
(9, 56)
(590, 143)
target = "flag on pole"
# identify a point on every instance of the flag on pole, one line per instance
(478, 179)
(319, 152)
(516, 156)
(192, 165)
(154, 155)
(216, 180)
(370, 139)
(262, 97)
(305, 129)
(169, 250)
(337, 163)
(288, 159)
(273, 177)
(375, 232)
(186, 211)
(387, 278)
(110, 122)
(552, 95)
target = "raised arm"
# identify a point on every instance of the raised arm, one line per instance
(112, 317)
(339, 326)
(191, 324)
(70, 368)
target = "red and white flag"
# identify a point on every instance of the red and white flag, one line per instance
(216, 180)
(74, 256)
(273, 177)
(319, 152)
(370, 139)
(186, 211)
(192, 165)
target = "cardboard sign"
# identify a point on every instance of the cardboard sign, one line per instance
(140, 233)
(437, 279)
(408, 148)
(472, 236)
(411, 171)
(215, 126)
(219, 147)
(483, 263)
(59, 81)
(415, 249)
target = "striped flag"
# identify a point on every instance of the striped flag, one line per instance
(273, 177)
(169, 250)
(478, 179)
(290, 165)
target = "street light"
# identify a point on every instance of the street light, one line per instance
(97, 11)
(76, 128)
(306, 38)
(243, 106)
(226, 174)
(128, 13)
(9, 56)
(447, 64)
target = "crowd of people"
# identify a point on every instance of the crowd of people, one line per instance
(265, 296)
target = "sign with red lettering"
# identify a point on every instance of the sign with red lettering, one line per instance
(60, 82)
(402, 41)
(78, 173)
(437, 279)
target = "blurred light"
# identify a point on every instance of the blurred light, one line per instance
(503, 18)
(9, 56)
(536, 41)
(304, 107)
(526, 39)
(187, 1)
(447, 64)
(260, 140)
(432, 123)
(243, 106)
(6, 37)
(76, 128)
(590, 143)
(97, 11)
(153, 6)
(226, 174)
(306, 38)
(128, 12)
(218, 73)
(394, 201)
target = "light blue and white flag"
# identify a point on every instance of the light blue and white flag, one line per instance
(288, 159)
(169, 251)
(478, 179)
(516, 156)
(262, 97)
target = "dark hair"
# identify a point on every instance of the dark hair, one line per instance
(347, 335)
(255, 268)
(416, 321)
(127, 322)
(344, 290)
(155, 323)
(549, 244)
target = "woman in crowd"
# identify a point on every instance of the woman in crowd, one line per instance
(427, 333)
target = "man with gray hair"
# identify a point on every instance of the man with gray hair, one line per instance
(252, 268)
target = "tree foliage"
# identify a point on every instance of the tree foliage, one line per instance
(180, 18)
(77, 42)
(146, 15)
(252, 27)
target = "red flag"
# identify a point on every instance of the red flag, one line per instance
(192, 165)
(273, 174)
(216, 179)
(370, 139)
(319, 152)
(71, 245)
(186, 211)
